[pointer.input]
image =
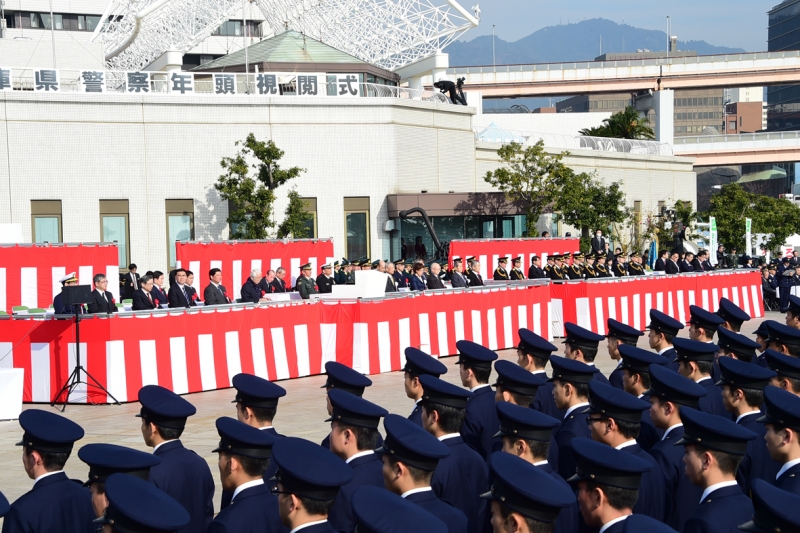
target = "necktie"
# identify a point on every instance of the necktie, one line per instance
(133, 281)
(185, 294)
(149, 297)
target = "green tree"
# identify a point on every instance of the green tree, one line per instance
(587, 203)
(777, 218)
(295, 225)
(529, 177)
(252, 197)
(626, 124)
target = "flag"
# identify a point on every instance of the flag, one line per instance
(653, 255)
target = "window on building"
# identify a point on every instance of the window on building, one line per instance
(732, 125)
(356, 214)
(311, 225)
(180, 225)
(115, 227)
(46, 221)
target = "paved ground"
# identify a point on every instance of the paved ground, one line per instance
(301, 413)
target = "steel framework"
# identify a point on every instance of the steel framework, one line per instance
(387, 33)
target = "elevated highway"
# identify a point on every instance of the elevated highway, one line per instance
(747, 148)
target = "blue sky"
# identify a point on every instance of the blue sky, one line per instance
(735, 23)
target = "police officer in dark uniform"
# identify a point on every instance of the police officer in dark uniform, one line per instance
(785, 275)
(500, 273)
(325, 281)
(695, 361)
(462, 476)
(528, 434)
(516, 270)
(600, 267)
(581, 344)
(635, 364)
(743, 385)
(589, 271)
(55, 503)
(548, 267)
(556, 272)
(533, 352)
(354, 438)
(308, 481)
(535, 271)
(782, 422)
(775, 510)
(244, 454)
(107, 459)
(305, 285)
(670, 393)
(733, 315)
(399, 275)
(58, 302)
(412, 455)
(634, 266)
(663, 328)
(718, 444)
(182, 474)
(620, 268)
(136, 506)
(342, 377)
(575, 270)
(571, 392)
(480, 421)
(419, 363)
(379, 511)
(619, 334)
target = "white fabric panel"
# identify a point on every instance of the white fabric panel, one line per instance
(294, 271)
(681, 308)
(58, 273)
(746, 302)
(40, 372)
(274, 264)
(301, 349)
(637, 312)
(612, 307)
(361, 347)
(477, 332)
(754, 290)
(79, 393)
(384, 347)
(555, 327)
(714, 303)
(584, 315)
(85, 275)
(623, 304)
(255, 264)
(508, 327)
(660, 301)
(425, 334)
(279, 352)
(735, 296)
(537, 319)
(258, 350)
(29, 287)
(441, 329)
(691, 298)
(233, 356)
(112, 273)
(404, 337)
(148, 362)
(705, 302)
(3, 290)
(601, 319)
(116, 383)
(484, 267)
(458, 323)
(491, 327)
(670, 304)
(648, 302)
(6, 355)
(194, 266)
(236, 290)
(177, 359)
(327, 333)
(205, 349)
(522, 316)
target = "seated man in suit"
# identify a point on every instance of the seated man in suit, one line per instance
(102, 300)
(158, 293)
(143, 298)
(256, 287)
(190, 287)
(434, 281)
(215, 293)
(671, 265)
(279, 284)
(179, 292)
(457, 278)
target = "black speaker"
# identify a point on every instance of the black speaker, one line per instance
(76, 294)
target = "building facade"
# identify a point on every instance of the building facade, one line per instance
(783, 101)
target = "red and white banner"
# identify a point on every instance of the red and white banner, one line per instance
(203, 349)
(237, 259)
(29, 274)
(487, 251)
(629, 300)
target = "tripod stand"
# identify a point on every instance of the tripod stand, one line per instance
(74, 296)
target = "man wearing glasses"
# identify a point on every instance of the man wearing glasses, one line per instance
(102, 300)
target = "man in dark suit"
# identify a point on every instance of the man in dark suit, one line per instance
(102, 300)
(695, 361)
(256, 287)
(158, 293)
(535, 271)
(671, 266)
(434, 281)
(54, 504)
(244, 454)
(215, 293)
(598, 243)
(325, 280)
(661, 262)
(663, 328)
(182, 474)
(142, 298)
(131, 282)
(669, 393)
(475, 278)
(278, 284)
(457, 278)
(686, 264)
(178, 292)
(714, 449)
(480, 422)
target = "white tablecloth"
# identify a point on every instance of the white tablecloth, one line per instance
(11, 392)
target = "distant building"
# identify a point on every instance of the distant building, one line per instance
(783, 101)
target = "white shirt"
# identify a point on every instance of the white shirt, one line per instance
(787, 466)
(35, 481)
(449, 436)
(609, 524)
(540, 463)
(414, 491)
(625, 444)
(664, 350)
(538, 372)
(670, 429)
(247, 485)
(308, 524)
(359, 454)
(747, 414)
(716, 486)
(569, 411)
(478, 387)
(701, 379)
(163, 443)
(265, 427)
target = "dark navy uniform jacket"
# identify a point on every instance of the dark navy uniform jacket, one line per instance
(789, 480)
(272, 469)
(55, 504)
(545, 403)
(416, 415)
(255, 510)
(325, 527)
(653, 499)
(600, 377)
(481, 422)
(185, 476)
(684, 496)
(460, 478)
(721, 512)
(712, 402)
(455, 520)
(569, 517)
(367, 470)
(757, 464)
(573, 426)
(615, 378)
(649, 435)
(618, 527)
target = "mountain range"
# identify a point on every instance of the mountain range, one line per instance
(580, 41)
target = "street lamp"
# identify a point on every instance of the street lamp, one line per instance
(494, 61)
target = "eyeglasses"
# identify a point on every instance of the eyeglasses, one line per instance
(589, 420)
(274, 490)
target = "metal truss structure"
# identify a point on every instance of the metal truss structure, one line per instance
(387, 33)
